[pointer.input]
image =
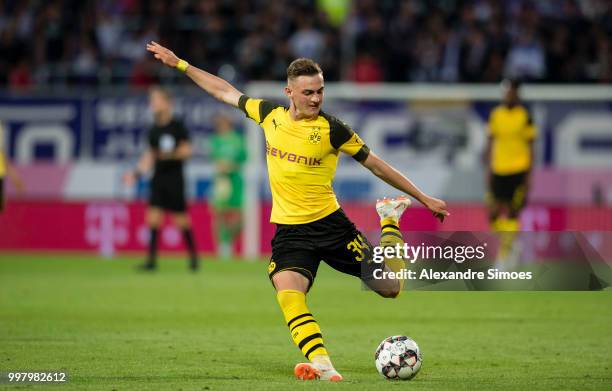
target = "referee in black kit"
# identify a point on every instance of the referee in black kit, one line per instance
(169, 147)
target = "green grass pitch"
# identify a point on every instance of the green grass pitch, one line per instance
(112, 328)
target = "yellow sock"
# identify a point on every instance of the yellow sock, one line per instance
(497, 224)
(507, 229)
(304, 329)
(389, 221)
(391, 236)
(512, 225)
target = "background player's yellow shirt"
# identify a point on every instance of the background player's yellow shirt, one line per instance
(2, 167)
(512, 131)
(302, 157)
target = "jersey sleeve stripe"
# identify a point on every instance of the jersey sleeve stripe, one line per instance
(265, 108)
(362, 154)
(242, 103)
(338, 133)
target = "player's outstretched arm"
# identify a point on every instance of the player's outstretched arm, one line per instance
(215, 86)
(393, 177)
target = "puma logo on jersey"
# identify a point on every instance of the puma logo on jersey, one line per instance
(292, 157)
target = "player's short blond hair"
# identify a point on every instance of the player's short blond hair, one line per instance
(303, 67)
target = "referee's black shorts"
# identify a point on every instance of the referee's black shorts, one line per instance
(168, 192)
(510, 188)
(333, 239)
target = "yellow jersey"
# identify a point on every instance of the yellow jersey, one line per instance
(2, 165)
(302, 157)
(512, 132)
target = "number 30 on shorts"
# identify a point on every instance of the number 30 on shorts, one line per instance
(358, 246)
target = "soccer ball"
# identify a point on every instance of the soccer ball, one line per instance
(398, 357)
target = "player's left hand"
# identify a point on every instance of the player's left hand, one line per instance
(166, 56)
(437, 207)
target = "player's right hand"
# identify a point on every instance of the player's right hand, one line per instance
(163, 54)
(437, 207)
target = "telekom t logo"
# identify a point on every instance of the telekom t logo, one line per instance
(106, 226)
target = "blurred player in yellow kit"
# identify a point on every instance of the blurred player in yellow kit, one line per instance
(302, 146)
(511, 135)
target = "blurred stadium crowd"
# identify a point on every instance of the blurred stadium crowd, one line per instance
(75, 43)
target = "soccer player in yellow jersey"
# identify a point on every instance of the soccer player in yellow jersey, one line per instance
(511, 135)
(6, 170)
(302, 147)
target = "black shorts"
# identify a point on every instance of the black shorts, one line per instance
(168, 193)
(510, 188)
(333, 239)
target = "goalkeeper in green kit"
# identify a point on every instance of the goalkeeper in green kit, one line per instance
(228, 154)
